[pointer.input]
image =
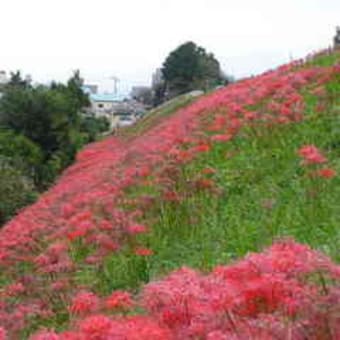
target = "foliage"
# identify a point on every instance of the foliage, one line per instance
(17, 190)
(144, 95)
(41, 131)
(93, 127)
(49, 116)
(20, 152)
(190, 67)
(20, 162)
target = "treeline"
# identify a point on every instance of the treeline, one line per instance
(41, 130)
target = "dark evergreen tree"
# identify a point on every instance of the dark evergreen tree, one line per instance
(190, 67)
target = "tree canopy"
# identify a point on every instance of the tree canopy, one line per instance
(41, 130)
(190, 67)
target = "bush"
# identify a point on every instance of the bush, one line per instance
(17, 190)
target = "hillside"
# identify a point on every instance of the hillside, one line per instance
(105, 253)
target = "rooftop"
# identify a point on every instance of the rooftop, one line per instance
(107, 97)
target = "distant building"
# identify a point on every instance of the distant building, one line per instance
(105, 103)
(115, 108)
(337, 38)
(90, 88)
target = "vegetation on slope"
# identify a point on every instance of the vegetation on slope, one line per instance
(231, 173)
(41, 130)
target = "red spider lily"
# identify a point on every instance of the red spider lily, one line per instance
(137, 229)
(204, 183)
(311, 155)
(45, 335)
(327, 173)
(2, 334)
(60, 285)
(96, 327)
(84, 303)
(14, 289)
(99, 327)
(119, 300)
(221, 138)
(201, 148)
(143, 252)
(171, 196)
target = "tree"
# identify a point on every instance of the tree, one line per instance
(16, 190)
(18, 81)
(20, 153)
(92, 127)
(49, 116)
(190, 67)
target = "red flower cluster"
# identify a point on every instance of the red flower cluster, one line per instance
(312, 155)
(270, 295)
(326, 173)
(84, 303)
(119, 300)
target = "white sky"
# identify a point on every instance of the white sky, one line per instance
(131, 38)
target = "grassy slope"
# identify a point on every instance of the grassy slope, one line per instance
(263, 193)
(156, 115)
(258, 192)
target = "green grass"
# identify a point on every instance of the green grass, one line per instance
(154, 116)
(261, 193)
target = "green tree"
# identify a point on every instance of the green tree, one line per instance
(190, 67)
(20, 153)
(17, 80)
(50, 117)
(92, 127)
(16, 190)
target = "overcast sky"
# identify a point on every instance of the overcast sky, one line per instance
(131, 38)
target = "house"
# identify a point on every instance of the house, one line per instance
(104, 103)
(115, 107)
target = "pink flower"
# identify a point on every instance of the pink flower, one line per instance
(96, 327)
(137, 229)
(83, 303)
(143, 252)
(15, 289)
(119, 300)
(327, 173)
(202, 148)
(221, 138)
(311, 155)
(2, 333)
(45, 335)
